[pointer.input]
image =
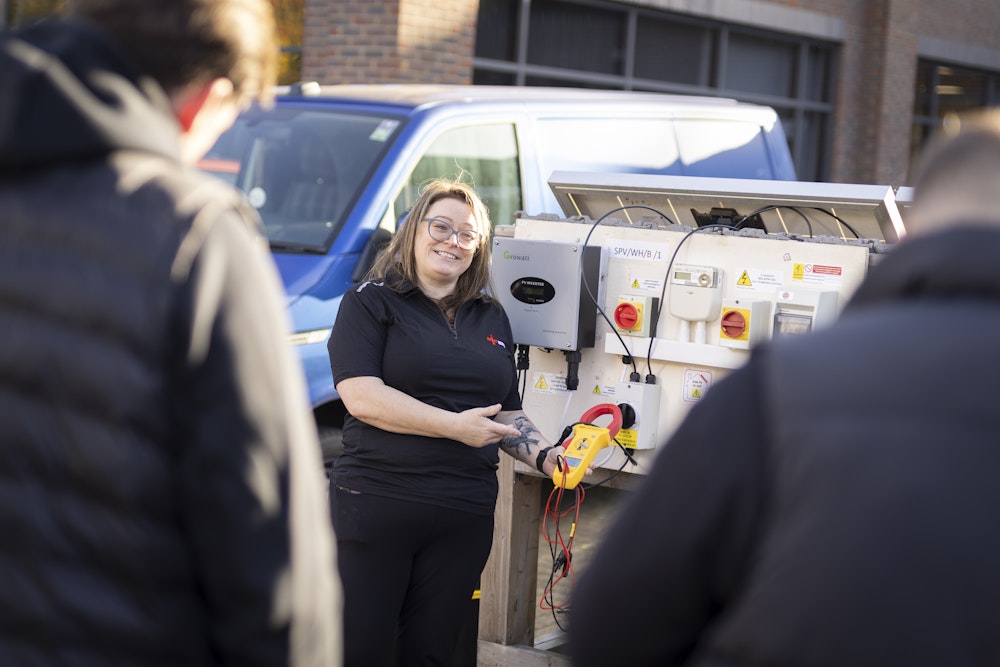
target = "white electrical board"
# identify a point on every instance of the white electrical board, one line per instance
(682, 306)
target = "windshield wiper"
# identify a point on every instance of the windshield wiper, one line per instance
(305, 248)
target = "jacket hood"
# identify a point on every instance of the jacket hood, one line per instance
(960, 262)
(67, 93)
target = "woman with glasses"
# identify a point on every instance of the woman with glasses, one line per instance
(423, 359)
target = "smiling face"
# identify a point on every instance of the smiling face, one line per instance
(440, 263)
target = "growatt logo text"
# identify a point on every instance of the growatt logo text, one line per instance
(517, 258)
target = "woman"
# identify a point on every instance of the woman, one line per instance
(423, 360)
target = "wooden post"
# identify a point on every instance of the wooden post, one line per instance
(507, 606)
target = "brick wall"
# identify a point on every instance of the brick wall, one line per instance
(894, 112)
(970, 21)
(389, 41)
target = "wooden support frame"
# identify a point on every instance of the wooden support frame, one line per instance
(507, 606)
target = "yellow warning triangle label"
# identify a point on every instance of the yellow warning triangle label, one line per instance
(635, 283)
(745, 280)
(541, 384)
(597, 390)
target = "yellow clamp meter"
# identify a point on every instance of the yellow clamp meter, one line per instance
(580, 450)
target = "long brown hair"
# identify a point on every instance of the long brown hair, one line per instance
(398, 257)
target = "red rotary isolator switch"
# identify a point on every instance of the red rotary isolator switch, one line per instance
(734, 324)
(626, 315)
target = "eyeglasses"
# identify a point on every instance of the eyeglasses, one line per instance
(440, 230)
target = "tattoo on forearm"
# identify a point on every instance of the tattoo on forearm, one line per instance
(520, 446)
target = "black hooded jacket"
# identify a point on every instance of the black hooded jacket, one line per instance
(159, 469)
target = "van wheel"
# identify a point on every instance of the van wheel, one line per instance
(331, 442)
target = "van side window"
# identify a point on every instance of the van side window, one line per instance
(723, 148)
(614, 145)
(489, 157)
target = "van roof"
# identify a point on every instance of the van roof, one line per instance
(419, 95)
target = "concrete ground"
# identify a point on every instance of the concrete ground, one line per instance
(596, 513)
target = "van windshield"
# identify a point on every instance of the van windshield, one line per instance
(302, 169)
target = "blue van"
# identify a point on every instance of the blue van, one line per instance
(332, 168)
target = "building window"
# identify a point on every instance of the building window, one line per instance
(668, 52)
(496, 21)
(596, 44)
(578, 37)
(755, 65)
(944, 89)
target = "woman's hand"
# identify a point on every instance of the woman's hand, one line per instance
(552, 461)
(476, 428)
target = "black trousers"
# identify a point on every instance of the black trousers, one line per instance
(408, 571)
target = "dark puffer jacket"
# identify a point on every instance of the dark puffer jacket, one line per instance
(161, 497)
(833, 503)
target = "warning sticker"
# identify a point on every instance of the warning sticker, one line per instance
(757, 279)
(819, 269)
(823, 274)
(549, 383)
(641, 283)
(627, 438)
(696, 383)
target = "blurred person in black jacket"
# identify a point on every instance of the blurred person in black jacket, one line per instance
(833, 502)
(161, 490)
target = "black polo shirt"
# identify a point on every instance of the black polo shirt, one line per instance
(405, 339)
